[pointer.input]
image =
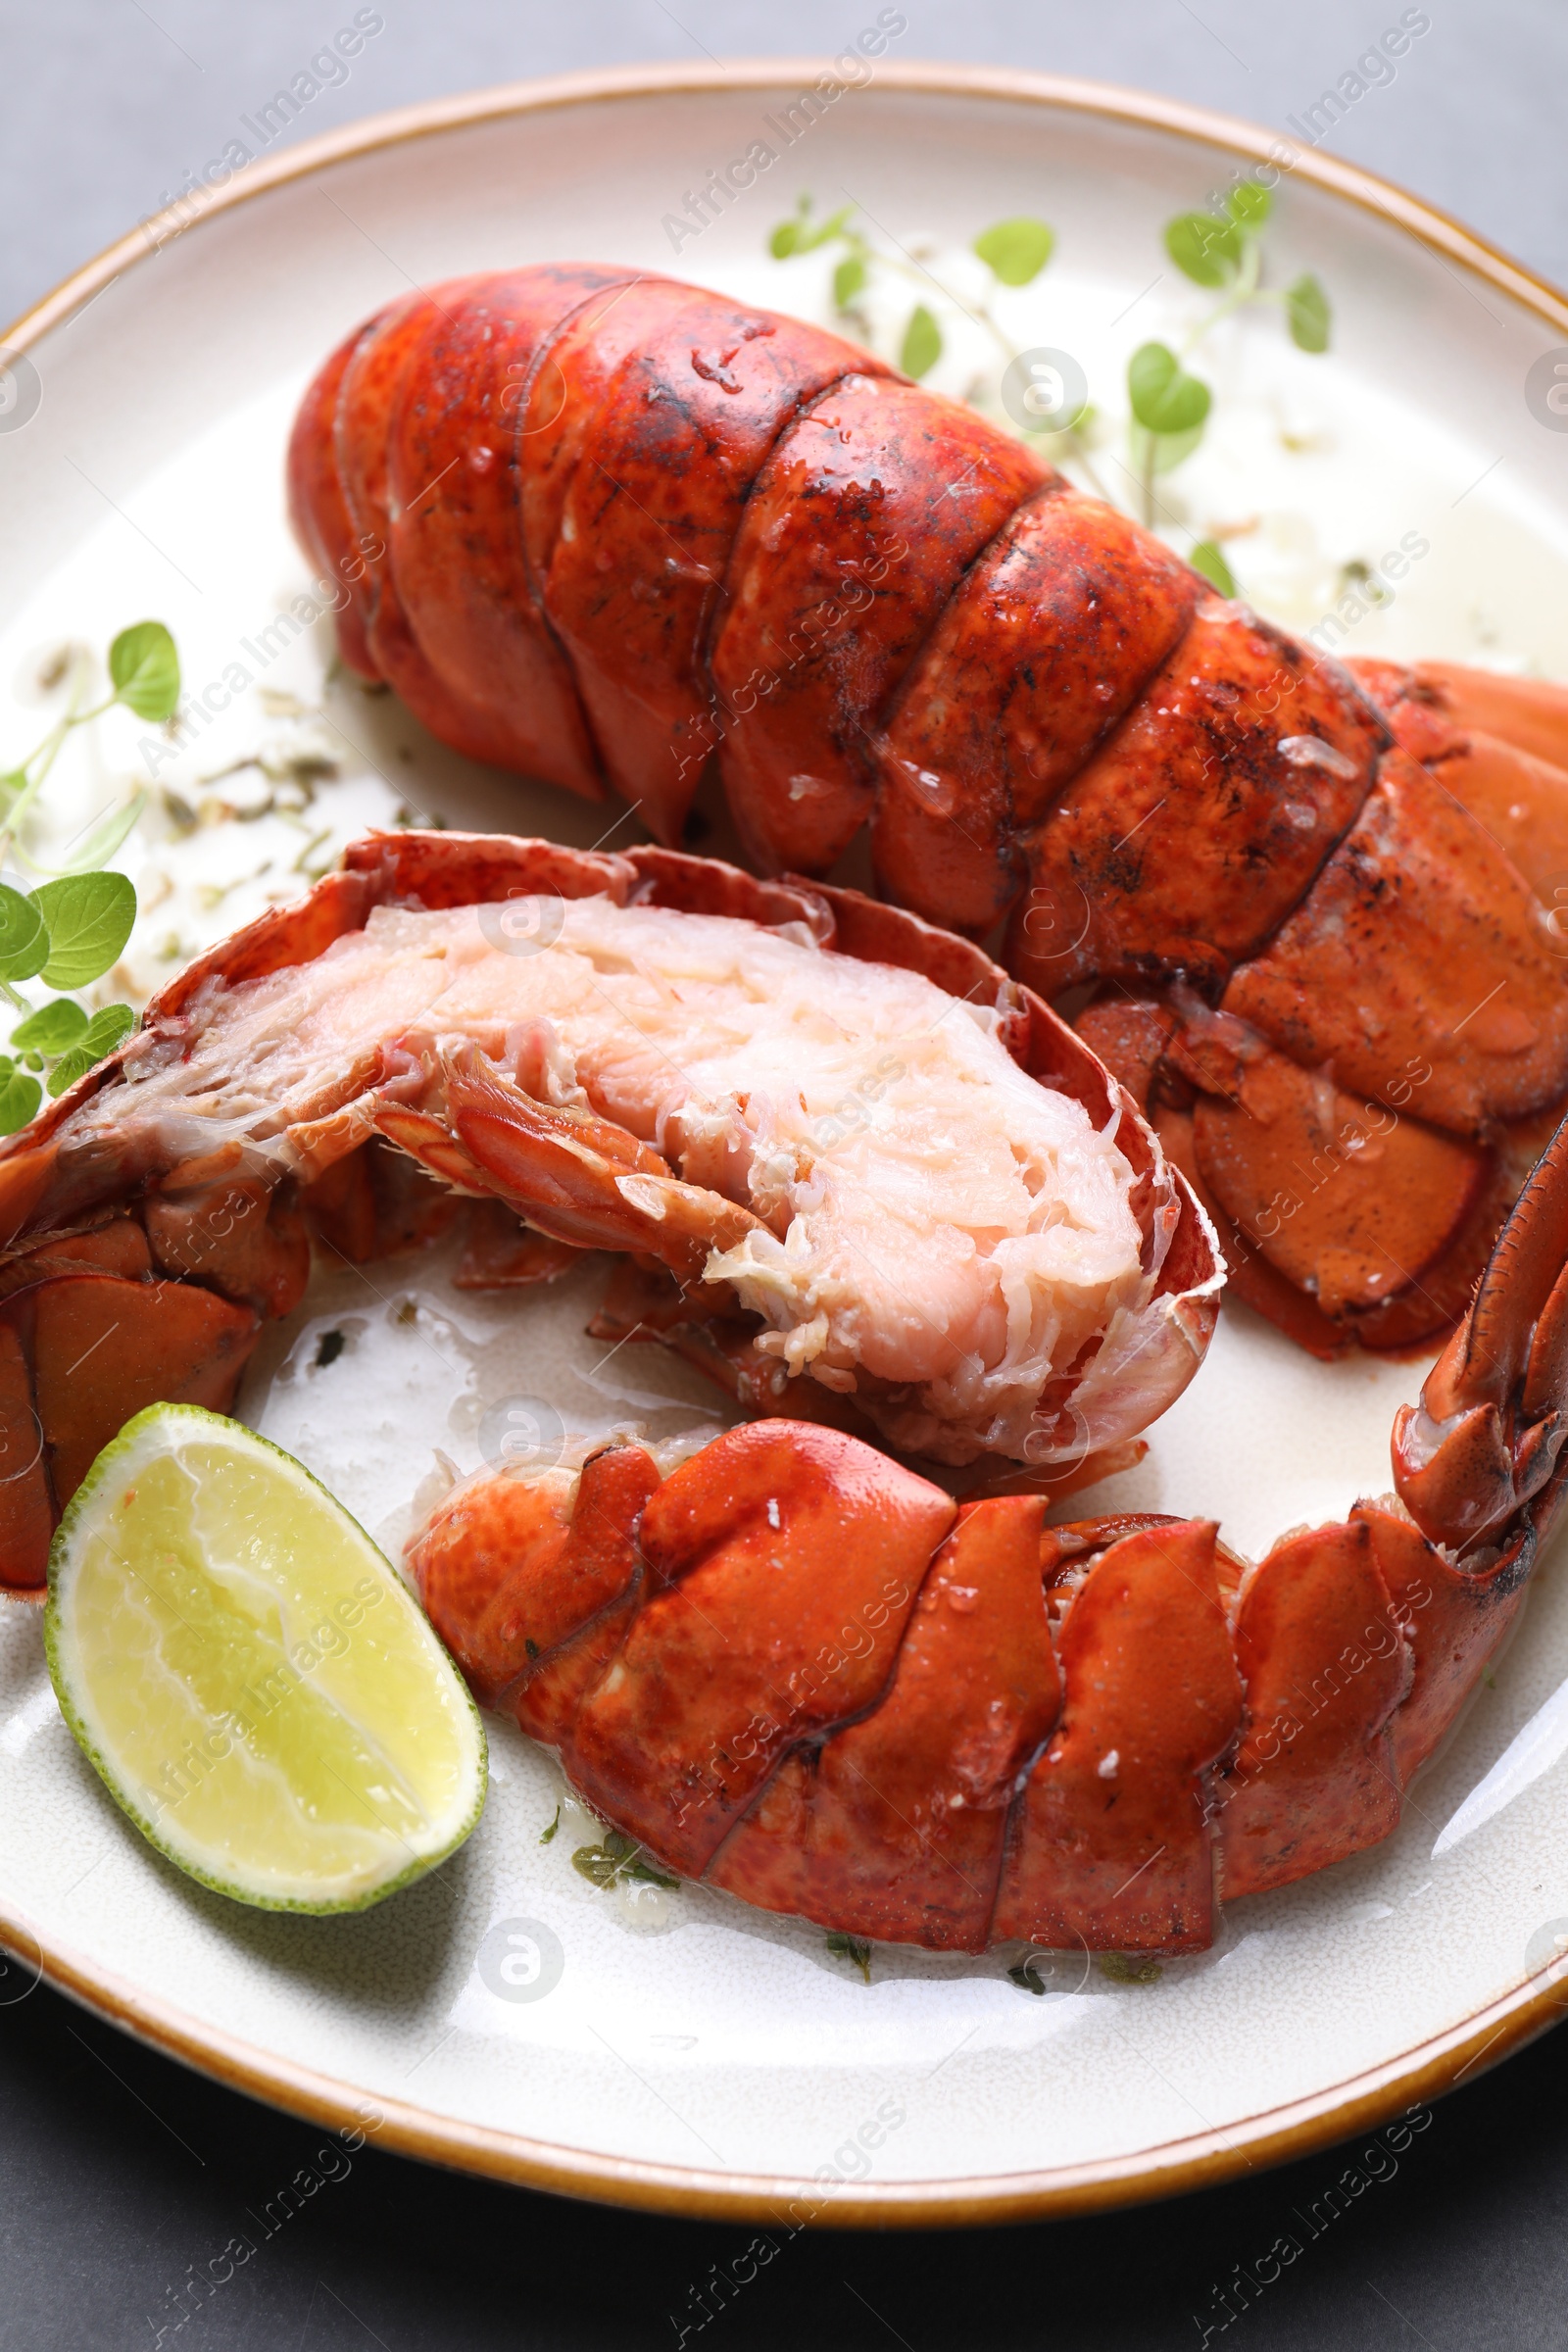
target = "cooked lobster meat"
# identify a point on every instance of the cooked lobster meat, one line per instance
(854, 1163)
(796, 1671)
(631, 528)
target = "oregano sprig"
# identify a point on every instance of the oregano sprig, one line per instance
(144, 678)
(73, 927)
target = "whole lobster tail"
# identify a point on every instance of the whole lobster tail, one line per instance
(801, 1674)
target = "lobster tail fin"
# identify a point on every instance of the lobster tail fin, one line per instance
(1476, 1462)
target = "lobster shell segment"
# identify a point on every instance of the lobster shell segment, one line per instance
(689, 1721)
(1324, 1661)
(893, 1825)
(1110, 1846)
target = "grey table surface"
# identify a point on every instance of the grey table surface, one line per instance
(120, 2172)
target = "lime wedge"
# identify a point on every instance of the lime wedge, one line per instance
(256, 1687)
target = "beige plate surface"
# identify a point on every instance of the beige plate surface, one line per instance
(710, 2060)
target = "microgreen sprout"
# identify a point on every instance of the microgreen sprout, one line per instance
(72, 927)
(855, 1950)
(1223, 251)
(546, 1834)
(1014, 253)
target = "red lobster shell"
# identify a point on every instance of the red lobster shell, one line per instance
(799, 1672)
(603, 528)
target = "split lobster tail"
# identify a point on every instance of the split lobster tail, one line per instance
(718, 1079)
(796, 1670)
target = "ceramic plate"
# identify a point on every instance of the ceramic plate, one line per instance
(690, 2054)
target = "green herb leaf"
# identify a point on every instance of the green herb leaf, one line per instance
(89, 918)
(1204, 247)
(1027, 1977)
(1248, 204)
(19, 1097)
(644, 1870)
(922, 343)
(852, 1949)
(23, 936)
(619, 1857)
(784, 240)
(144, 669)
(545, 1836)
(69, 1068)
(105, 1029)
(594, 1865)
(833, 227)
(848, 279)
(53, 1028)
(1016, 251)
(1125, 1968)
(1164, 398)
(1306, 307)
(1209, 557)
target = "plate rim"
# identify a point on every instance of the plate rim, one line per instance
(1143, 110)
(1198, 2159)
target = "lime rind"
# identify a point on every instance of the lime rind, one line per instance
(154, 1438)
